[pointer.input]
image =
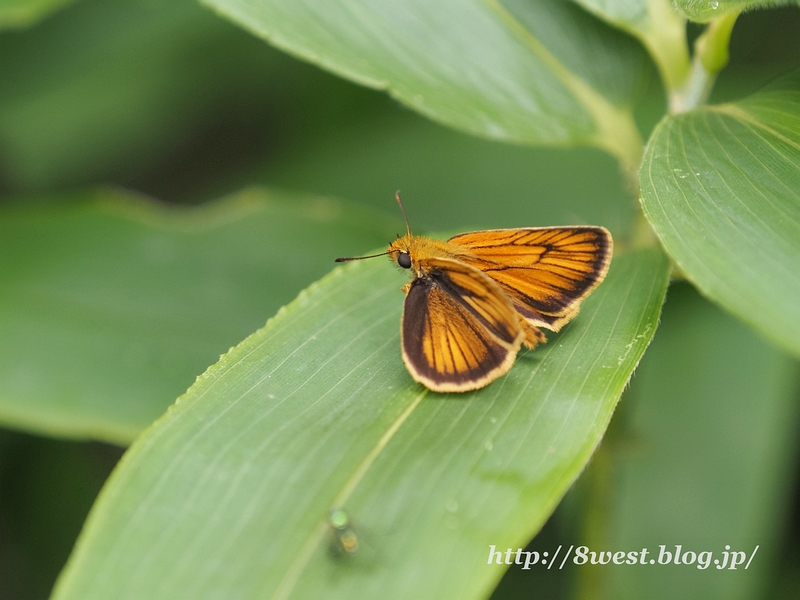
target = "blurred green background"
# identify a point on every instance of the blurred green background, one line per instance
(168, 100)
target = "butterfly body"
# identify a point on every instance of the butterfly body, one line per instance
(475, 299)
(420, 249)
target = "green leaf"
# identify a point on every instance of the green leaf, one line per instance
(227, 495)
(721, 187)
(705, 459)
(22, 13)
(451, 181)
(707, 10)
(527, 71)
(48, 488)
(111, 304)
(657, 25)
(149, 82)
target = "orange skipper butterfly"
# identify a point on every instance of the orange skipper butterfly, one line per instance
(475, 299)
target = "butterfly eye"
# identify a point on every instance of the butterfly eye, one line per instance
(404, 260)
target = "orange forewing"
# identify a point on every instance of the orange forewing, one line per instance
(545, 271)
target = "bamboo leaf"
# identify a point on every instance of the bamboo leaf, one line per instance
(705, 459)
(533, 72)
(657, 25)
(22, 13)
(721, 187)
(227, 495)
(112, 304)
(706, 10)
(147, 80)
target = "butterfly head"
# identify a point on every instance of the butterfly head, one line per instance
(400, 251)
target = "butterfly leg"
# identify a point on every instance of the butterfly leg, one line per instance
(533, 335)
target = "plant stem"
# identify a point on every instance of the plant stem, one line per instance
(665, 39)
(710, 57)
(620, 137)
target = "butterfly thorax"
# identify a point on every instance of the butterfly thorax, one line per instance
(421, 249)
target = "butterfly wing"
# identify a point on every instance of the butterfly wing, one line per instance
(546, 271)
(459, 331)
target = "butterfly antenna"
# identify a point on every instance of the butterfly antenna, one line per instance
(360, 257)
(400, 202)
(408, 230)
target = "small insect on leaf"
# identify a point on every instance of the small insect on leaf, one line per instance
(474, 300)
(344, 541)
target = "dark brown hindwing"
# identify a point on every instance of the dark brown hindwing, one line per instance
(459, 331)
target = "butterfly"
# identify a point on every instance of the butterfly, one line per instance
(477, 298)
